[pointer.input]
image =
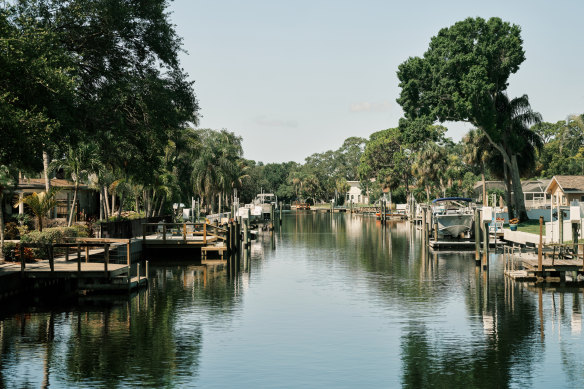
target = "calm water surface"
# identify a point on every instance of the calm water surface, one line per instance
(324, 302)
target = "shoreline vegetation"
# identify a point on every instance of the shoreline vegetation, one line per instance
(104, 102)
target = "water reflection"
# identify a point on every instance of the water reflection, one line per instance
(342, 299)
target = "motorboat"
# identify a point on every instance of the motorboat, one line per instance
(454, 216)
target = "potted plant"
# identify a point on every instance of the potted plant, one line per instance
(513, 224)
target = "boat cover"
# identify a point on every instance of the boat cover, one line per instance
(452, 199)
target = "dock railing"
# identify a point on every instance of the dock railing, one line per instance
(186, 232)
(554, 251)
(95, 250)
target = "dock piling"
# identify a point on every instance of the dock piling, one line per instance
(106, 258)
(485, 228)
(477, 236)
(540, 248)
(79, 258)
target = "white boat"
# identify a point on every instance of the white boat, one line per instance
(454, 216)
(261, 207)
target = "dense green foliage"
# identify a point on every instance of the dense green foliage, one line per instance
(96, 86)
(463, 76)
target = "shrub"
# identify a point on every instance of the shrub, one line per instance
(52, 235)
(12, 253)
(11, 231)
(9, 251)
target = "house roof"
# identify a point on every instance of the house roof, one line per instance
(528, 186)
(568, 184)
(39, 183)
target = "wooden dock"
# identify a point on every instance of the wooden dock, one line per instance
(203, 237)
(88, 269)
(557, 264)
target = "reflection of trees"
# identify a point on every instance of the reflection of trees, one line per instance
(139, 344)
(502, 336)
(152, 340)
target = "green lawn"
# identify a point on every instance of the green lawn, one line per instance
(531, 226)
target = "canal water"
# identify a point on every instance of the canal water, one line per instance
(326, 301)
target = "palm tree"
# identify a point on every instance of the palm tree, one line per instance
(430, 167)
(40, 204)
(477, 151)
(5, 181)
(518, 140)
(79, 164)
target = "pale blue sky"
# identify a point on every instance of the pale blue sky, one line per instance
(298, 77)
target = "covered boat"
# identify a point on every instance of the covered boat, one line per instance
(454, 216)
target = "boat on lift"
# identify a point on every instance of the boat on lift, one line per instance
(454, 216)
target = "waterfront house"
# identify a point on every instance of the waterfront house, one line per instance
(354, 194)
(534, 191)
(564, 189)
(87, 199)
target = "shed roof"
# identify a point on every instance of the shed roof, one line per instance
(568, 184)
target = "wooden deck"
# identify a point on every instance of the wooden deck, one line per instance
(86, 260)
(555, 268)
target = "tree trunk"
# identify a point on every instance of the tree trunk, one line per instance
(515, 178)
(149, 202)
(161, 204)
(108, 210)
(518, 190)
(46, 170)
(113, 203)
(508, 190)
(1, 225)
(484, 185)
(121, 205)
(73, 206)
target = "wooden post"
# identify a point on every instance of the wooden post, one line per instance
(22, 260)
(144, 231)
(184, 232)
(67, 254)
(86, 254)
(424, 237)
(435, 230)
(106, 257)
(575, 238)
(147, 271)
(228, 238)
(280, 219)
(382, 211)
(138, 272)
(477, 234)
(164, 233)
(238, 233)
(79, 258)
(427, 224)
(245, 232)
(51, 258)
(128, 253)
(540, 248)
(485, 227)
(205, 232)
(560, 225)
